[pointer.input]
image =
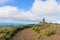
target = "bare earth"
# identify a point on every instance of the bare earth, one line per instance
(29, 34)
(26, 34)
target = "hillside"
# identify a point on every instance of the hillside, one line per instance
(26, 34)
(29, 34)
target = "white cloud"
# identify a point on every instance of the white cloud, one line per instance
(9, 12)
(48, 9)
(3, 1)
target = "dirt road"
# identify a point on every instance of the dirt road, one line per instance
(26, 34)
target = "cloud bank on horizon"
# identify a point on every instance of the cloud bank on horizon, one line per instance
(49, 9)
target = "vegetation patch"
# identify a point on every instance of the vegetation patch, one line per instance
(48, 32)
(38, 36)
(6, 34)
(38, 28)
(45, 33)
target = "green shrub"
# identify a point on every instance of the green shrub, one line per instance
(36, 29)
(6, 34)
(2, 36)
(2, 31)
(38, 37)
(8, 37)
(48, 32)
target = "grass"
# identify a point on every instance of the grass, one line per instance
(36, 29)
(38, 36)
(6, 34)
(48, 32)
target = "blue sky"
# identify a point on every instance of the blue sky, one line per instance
(26, 7)
(22, 4)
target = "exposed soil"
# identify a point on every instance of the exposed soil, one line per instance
(29, 34)
(26, 34)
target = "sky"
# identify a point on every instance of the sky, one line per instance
(29, 11)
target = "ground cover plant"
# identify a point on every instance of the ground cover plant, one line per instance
(6, 34)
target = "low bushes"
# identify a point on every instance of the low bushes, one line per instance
(6, 34)
(48, 32)
(37, 28)
(38, 36)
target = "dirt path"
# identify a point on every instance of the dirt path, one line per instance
(26, 34)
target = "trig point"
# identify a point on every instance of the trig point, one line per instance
(43, 20)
